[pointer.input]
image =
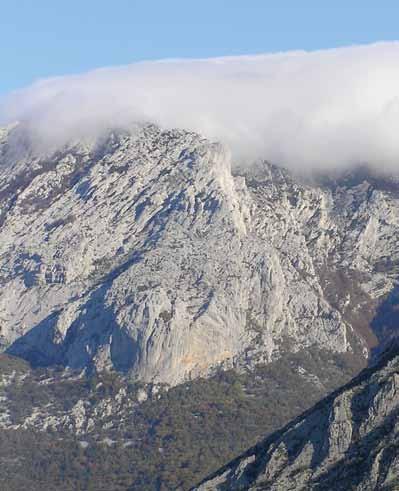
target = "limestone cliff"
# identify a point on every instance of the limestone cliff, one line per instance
(145, 252)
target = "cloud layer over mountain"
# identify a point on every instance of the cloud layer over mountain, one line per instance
(319, 109)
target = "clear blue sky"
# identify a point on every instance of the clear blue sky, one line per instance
(40, 38)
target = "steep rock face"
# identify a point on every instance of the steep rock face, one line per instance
(347, 441)
(144, 252)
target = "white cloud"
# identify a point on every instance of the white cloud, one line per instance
(319, 109)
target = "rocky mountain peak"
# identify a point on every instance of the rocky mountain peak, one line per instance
(146, 253)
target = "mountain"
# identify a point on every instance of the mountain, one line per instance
(347, 441)
(144, 252)
(165, 306)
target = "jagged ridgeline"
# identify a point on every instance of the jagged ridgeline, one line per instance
(147, 260)
(347, 441)
(146, 254)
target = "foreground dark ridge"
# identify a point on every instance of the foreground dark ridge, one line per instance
(347, 441)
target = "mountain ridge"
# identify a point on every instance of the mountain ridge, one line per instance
(145, 253)
(165, 288)
(327, 465)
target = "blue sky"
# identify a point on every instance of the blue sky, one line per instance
(41, 38)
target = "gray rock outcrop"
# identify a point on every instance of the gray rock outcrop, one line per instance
(347, 441)
(145, 252)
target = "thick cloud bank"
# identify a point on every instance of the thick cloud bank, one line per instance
(319, 109)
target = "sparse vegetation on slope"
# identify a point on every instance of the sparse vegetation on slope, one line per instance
(170, 441)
